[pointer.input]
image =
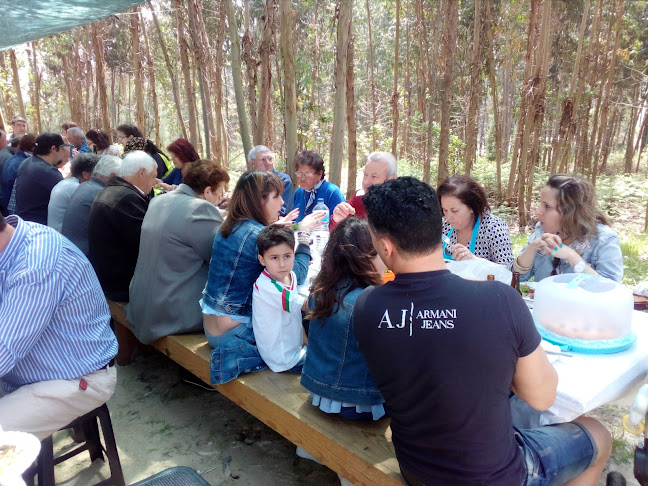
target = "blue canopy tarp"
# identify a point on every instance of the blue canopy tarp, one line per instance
(27, 20)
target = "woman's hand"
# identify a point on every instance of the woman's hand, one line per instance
(163, 185)
(289, 218)
(310, 222)
(461, 252)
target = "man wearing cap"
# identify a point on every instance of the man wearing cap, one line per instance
(18, 127)
(56, 345)
(37, 176)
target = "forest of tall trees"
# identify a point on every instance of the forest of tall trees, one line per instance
(536, 84)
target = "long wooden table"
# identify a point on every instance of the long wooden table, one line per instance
(361, 452)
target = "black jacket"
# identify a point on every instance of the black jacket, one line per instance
(114, 234)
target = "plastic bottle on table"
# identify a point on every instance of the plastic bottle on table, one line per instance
(321, 233)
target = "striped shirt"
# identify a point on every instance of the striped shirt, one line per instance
(54, 319)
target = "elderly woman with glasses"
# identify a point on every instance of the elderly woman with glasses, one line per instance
(572, 234)
(312, 185)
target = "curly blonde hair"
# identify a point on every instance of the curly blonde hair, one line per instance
(578, 207)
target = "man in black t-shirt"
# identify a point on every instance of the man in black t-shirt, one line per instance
(445, 352)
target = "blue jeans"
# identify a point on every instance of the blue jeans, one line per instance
(555, 454)
(234, 353)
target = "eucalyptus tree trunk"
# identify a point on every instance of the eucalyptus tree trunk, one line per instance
(265, 89)
(150, 64)
(250, 68)
(567, 125)
(394, 98)
(186, 73)
(289, 83)
(237, 77)
(203, 51)
(608, 86)
(632, 122)
(221, 152)
(36, 94)
(339, 108)
(373, 81)
(16, 83)
(407, 102)
(449, 49)
(6, 96)
(475, 89)
(172, 78)
(351, 119)
(490, 61)
(431, 95)
(140, 117)
(97, 42)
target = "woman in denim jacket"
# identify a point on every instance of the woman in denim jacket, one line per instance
(335, 372)
(233, 269)
(572, 235)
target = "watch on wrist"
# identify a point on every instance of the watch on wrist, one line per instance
(580, 267)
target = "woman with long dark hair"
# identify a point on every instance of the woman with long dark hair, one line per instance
(234, 267)
(335, 371)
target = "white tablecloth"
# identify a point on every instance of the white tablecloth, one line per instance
(587, 381)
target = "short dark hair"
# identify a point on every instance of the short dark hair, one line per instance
(84, 162)
(16, 140)
(45, 141)
(203, 173)
(465, 189)
(311, 159)
(128, 130)
(273, 235)
(406, 211)
(68, 124)
(26, 142)
(100, 138)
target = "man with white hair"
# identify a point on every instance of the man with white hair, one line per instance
(77, 214)
(262, 158)
(76, 137)
(380, 167)
(115, 223)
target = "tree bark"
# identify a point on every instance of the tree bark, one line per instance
(608, 86)
(186, 73)
(97, 42)
(250, 68)
(394, 98)
(172, 78)
(339, 108)
(431, 95)
(150, 64)
(632, 122)
(221, 152)
(373, 81)
(351, 119)
(6, 96)
(16, 83)
(265, 90)
(36, 95)
(475, 90)
(490, 61)
(140, 117)
(237, 77)
(289, 83)
(449, 48)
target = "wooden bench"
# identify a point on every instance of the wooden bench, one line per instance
(361, 452)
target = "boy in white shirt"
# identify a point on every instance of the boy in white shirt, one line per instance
(276, 304)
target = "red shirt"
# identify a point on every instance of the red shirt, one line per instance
(358, 205)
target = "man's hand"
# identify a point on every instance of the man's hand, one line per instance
(342, 211)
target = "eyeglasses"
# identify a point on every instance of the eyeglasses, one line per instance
(304, 174)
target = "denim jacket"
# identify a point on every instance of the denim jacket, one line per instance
(335, 368)
(234, 267)
(602, 253)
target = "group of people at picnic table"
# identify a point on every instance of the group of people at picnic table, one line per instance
(437, 353)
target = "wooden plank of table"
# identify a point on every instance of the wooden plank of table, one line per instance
(361, 452)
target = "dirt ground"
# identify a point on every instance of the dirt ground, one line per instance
(160, 421)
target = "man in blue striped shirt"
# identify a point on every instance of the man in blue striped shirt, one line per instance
(56, 346)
